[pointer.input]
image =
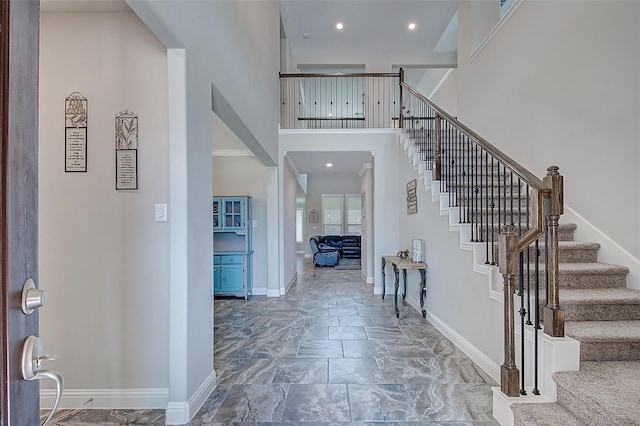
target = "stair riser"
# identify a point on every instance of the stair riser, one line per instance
(610, 351)
(609, 311)
(569, 280)
(564, 255)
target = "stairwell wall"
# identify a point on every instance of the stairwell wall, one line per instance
(457, 297)
(564, 93)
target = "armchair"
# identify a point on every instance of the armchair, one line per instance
(323, 255)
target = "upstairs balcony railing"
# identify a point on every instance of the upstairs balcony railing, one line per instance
(339, 101)
(508, 209)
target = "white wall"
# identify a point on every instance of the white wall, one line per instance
(103, 259)
(247, 176)
(565, 93)
(235, 47)
(288, 225)
(384, 145)
(368, 238)
(445, 94)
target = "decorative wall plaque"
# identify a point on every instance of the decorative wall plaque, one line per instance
(126, 150)
(313, 216)
(412, 200)
(75, 133)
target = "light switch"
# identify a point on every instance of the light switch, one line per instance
(254, 223)
(161, 212)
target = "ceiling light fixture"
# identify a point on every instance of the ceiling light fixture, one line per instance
(329, 165)
(339, 25)
(412, 26)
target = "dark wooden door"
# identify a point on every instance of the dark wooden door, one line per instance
(19, 399)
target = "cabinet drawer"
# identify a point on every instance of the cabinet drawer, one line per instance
(231, 260)
(216, 260)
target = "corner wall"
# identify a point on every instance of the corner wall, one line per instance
(103, 259)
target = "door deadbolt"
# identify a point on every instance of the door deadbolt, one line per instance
(32, 298)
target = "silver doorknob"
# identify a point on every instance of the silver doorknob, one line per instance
(32, 298)
(31, 359)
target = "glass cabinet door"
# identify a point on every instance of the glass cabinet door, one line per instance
(217, 223)
(233, 213)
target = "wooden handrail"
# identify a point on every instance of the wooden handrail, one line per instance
(526, 175)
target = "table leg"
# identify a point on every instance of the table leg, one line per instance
(384, 281)
(396, 272)
(404, 276)
(423, 291)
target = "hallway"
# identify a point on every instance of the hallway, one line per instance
(329, 352)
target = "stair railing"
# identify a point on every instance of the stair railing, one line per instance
(339, 100)
(509, 210)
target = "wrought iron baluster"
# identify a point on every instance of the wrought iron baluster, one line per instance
(537, 321)
(522, 312)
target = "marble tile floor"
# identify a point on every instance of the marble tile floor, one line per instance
(328, 353)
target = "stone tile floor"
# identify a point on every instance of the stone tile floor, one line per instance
(328, 353)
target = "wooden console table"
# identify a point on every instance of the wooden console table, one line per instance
(405, 264)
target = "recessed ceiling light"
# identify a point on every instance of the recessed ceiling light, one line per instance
(339, 25)
(305, 35)
(412, 26)
(329, 165)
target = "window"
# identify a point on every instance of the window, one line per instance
(341, 214)
(299, 222)
(332, 214)
(354, 214)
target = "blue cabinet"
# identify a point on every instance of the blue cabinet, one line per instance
(232, 260)
(217, 278)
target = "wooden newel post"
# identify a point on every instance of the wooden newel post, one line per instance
(553, 314)
(508, 267)
(437, 157)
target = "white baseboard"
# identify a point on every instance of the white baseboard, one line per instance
(107, 398)
(476, 355)
(180, 412)
(259, 291)
(273, 292)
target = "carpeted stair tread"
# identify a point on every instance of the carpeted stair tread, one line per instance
(545, 414)
(603, 331)
(602, 393)
(600, 304)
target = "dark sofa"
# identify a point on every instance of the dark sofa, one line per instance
(347, 245)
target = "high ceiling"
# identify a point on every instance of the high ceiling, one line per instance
(374, 32)
(376, 27)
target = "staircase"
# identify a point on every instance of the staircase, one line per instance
(600, 312)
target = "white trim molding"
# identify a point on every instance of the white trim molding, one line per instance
(107, 398)
(485, 42)
(179, 413)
